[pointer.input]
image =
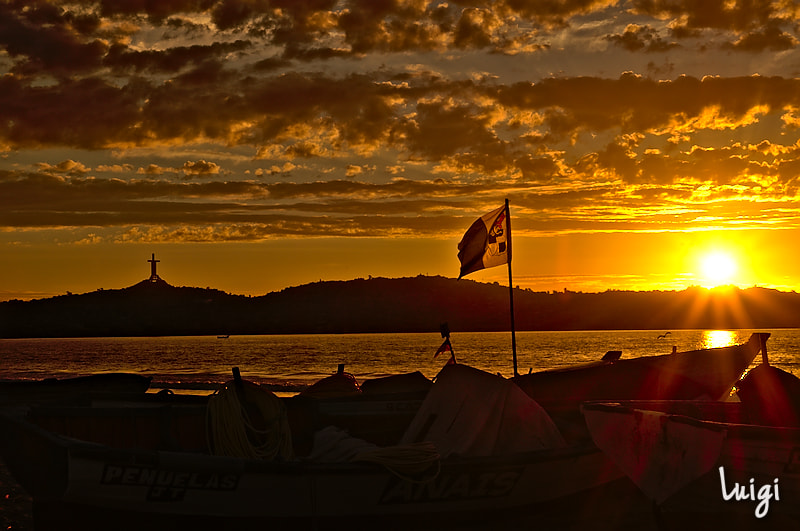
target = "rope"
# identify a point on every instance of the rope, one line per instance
(254, 426)
(417, 462)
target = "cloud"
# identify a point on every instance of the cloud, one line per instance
(121, 57)
(86, 113)
(87, 37)
(756, 25)
(474, 28)
(42, 38)
(67, 166)
(153, 169)
(636, 104)
(440, 129)
(353, 170)
(458, 127)
(641, 38)
(769, 38)
(115, 168)
(557, 13)
(200, 168)
(157, 11)
(406, 206)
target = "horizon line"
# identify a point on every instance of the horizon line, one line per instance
(15, 297)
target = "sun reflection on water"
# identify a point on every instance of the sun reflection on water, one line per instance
(718, 338)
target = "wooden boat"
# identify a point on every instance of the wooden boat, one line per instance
(720, 464)
(477, 448)
(16, 392)
(697, 374)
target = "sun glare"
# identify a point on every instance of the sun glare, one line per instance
(718, 338)
(717, 268)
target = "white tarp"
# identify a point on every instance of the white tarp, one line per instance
(470, 412)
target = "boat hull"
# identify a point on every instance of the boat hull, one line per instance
(701, 464)
(706, 373)
(20, 392)
(84, 480)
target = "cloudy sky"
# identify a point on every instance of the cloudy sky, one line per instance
(258, 144)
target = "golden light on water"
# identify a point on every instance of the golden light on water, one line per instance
(717, 338)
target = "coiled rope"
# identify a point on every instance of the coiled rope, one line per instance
(253, 425)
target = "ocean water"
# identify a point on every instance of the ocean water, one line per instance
(290, 362)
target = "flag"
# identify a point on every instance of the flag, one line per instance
(444, 348)
(487, 243)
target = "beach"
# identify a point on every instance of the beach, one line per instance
(15, 504)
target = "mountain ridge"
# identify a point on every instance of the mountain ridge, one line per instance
(409, 304)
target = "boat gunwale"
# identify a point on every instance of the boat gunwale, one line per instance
(732, 429)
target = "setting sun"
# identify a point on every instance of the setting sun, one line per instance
(717, 268)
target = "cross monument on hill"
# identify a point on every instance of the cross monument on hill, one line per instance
(153, 275)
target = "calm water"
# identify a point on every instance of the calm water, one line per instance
(293, 361)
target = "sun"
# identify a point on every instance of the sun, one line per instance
(717, 268)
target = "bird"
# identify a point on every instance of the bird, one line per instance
(664, 335)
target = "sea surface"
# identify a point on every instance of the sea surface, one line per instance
(288, 363)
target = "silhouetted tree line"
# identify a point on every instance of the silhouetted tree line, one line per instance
(417, 304)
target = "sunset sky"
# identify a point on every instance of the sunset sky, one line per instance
(254, 145)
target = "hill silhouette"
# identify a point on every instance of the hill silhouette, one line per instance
(415, 304)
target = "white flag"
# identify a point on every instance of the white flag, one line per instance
(487, 243)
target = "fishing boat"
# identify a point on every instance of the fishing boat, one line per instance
(478, 447)
(707, 374)
(726, 464)
(16, 392)
(377, 410)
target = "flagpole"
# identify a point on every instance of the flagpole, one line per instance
(511, 291)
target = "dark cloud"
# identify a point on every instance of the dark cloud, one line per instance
(768, 38)
(641, 38)
(387, 26)
(56, 37)
(120, 57)
(474, 28)
(45, 200)
(757, 25)
(88, 113)
(440, 130)
(157, 10)
(41, 40)
(636, 104)
(552, 12)
(715, 14)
